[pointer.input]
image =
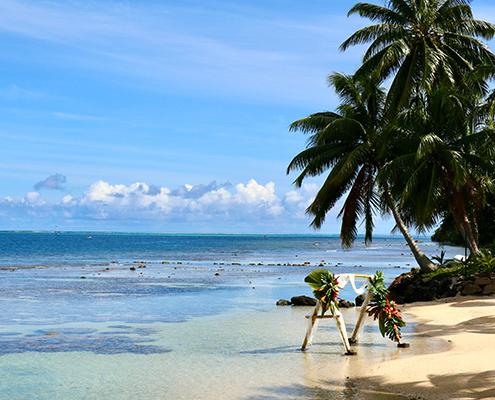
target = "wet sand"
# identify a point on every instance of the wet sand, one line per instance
(465, 370)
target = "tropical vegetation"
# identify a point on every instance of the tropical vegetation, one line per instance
(422, 149)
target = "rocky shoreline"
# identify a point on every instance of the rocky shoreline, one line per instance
(409, 288)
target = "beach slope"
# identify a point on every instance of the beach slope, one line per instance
(465, 371)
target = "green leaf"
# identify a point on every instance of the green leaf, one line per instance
(381, 325)
(314, 279)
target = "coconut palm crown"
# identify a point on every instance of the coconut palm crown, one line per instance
(344, 143)
(421, 44)
(352, 144)
(447, 168)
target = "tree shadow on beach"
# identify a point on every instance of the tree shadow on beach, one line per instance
(458, 386)
(486, 302)
(350, 389)
(480, 325)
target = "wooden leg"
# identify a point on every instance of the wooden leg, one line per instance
(339, 319)
(360, 321)
(309, 330)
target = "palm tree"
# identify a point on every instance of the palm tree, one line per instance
(353, 145)
(445, 170)
(425, 43)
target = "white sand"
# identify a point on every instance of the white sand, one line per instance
(465, 371)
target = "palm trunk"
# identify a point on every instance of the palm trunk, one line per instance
(469, 236)
(474, 223)
(425, 264)
(461, 219)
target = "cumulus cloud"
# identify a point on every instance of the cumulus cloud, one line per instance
(31, 198)
(52, 182)
(215, 203)
(188, 202)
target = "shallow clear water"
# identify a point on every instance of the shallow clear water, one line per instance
(199, 321)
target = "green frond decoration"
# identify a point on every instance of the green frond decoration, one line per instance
(325, 289)
(384, 310)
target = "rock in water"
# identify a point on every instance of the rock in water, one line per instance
(303, 301)
(346, 304)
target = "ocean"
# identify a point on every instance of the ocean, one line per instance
(92, 315)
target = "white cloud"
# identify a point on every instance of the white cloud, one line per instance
(67, 199)
(32, 198)
(250, 202)
(189, 203)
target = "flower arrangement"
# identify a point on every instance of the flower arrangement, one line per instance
(385, 310)
(325, 289)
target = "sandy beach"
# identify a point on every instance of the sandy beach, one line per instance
(466, 370)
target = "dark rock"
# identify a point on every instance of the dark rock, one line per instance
(445, 289)
(397, 298)
(400, 284)
(283, 302)
(483, 281)
(489, 289)
(471, 289)
(303, 301)
(432, 284)
(346, 304)
(359, 300)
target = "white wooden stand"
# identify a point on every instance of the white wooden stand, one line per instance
(339, 318)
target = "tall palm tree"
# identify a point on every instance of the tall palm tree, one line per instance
(445, 170)
(352, 144)
(425, 43)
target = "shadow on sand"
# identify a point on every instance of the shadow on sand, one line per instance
(472, 386)
(348, 390)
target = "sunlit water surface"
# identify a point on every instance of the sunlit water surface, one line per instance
(178, 317)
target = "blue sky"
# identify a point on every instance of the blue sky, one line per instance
(168, 116)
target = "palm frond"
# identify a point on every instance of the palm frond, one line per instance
(377, 13)
(314, 123)
(429, 144)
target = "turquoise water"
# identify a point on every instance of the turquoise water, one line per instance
(126, 316)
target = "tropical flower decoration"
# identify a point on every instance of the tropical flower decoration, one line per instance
(325, 288)
(385, 310)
